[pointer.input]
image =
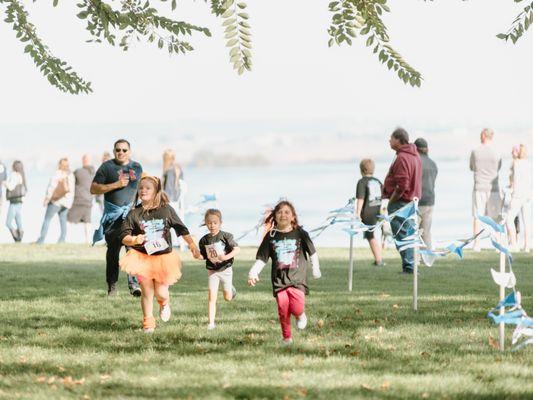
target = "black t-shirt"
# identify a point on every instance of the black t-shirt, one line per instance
(289, 252)
(369, 189)
(110, 172)
(212, 246)
(155, 224)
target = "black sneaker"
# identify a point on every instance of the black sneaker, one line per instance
(112, 289)
(135, 290)
(379, 264)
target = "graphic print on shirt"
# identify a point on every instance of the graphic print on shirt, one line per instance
(286, 253)
(154, 231)
(214, 250)
(374, 193)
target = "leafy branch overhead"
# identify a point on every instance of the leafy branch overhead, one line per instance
(138, 20)
(352, 18)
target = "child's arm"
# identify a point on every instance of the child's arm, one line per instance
(231, 254)
(359, 207)
(132, 240)
(311, 250)
(253, 275)
(192, 246)
(263, 254)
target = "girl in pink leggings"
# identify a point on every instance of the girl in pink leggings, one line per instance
(289, 247)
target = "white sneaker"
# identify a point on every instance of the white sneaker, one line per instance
(210, 327)
(286, 342)
(164, 312)
(301, 322)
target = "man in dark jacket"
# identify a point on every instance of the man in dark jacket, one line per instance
(427, 201)
(402, 184)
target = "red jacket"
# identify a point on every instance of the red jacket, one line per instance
(405, 173)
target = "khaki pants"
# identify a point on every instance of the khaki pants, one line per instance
(426, 217)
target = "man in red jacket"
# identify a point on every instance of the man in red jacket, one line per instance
(402, 184)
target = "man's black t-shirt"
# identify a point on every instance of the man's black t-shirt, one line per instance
(289, 252)
(110, 172)
(213, 246)
(369, 189)
(155, 224)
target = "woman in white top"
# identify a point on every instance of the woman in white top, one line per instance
(58, 200)
(15, 191)
(520, 197)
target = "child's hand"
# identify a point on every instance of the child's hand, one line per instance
(196, 253)
(140, 239)
(252, 281)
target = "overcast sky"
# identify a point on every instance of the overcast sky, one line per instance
(470, 78)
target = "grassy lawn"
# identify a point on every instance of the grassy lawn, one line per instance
(62, 338)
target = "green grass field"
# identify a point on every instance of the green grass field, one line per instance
(62, 338)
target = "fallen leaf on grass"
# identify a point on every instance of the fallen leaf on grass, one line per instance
(320, 323)
(493, 343)
(384, 295)
(377, 321)
(226, 385)
(61, 369)
(358, 311)
(51, 380)
(23, 359)
(41, 379)
(381, 329)
(366, 387)
(355, 353)
(41, 333)
(425, 354)
(385, 386)
(302, 392)
(395, 306)
(272, 321)
(425, 395)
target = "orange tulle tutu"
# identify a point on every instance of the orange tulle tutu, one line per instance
(163, 268)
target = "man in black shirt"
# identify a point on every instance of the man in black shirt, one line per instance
(427, 201)
(117, 180)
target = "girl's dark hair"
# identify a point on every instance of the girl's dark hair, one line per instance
(18, 167)
(271, 218)
(160, 198)
(213, 211)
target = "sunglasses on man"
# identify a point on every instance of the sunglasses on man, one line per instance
(121, 150)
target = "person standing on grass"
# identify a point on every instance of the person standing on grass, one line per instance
(289, 247)
(402, 184)
(485, 163)
(520, 197)
(3, 177)
(146, 230)
(174, 184)
(368, 204)
(427, 201)
(218, 249)
(58, 200)
(81, 209)
(15, 191)
(100, 198)
(117, 180)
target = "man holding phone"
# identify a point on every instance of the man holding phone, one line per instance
(117, 180)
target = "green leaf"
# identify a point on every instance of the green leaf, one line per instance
(232, 42)
(228, 13)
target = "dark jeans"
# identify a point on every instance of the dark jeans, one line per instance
(112, 238)
(52, 210)
(400, 231)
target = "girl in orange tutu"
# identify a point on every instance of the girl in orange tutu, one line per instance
(146, 231)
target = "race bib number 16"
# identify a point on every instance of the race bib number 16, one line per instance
(153, 246)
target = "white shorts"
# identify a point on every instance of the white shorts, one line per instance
(519, 206)
(215, 277)
(486, 203)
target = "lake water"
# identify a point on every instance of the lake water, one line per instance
(314, 189)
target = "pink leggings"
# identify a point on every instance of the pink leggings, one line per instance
(290, 301)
